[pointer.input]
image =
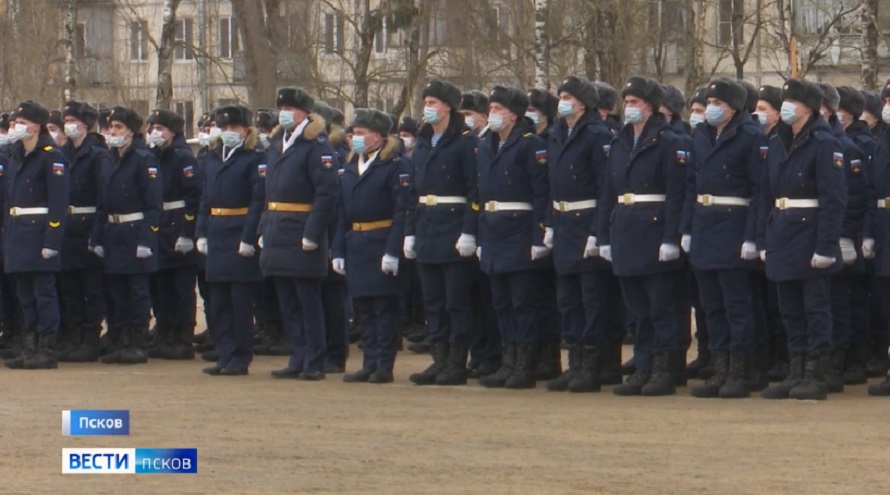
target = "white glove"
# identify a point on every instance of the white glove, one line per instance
(668, 252)
(309, 245)
(548, 237)
(184, 245)
(259, 242)
(763, 255)
(466, 245)
(98, 251)
(246, 250)
(143, 252)
(389, 265)
(591, 250)
(479, 253)
(686, 243)
(202, 245)
(848, 252)
(606, 253)
(48, 253)
(868, 248)
(339, 266)
(822, 262)
(408, 247)
(540, 252)
(749, 251)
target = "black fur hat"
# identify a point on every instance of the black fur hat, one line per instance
(443, 91)
(806, 92)
(475, 101)
(33, 112)
(771, 95)
(729, 91)
(295, 97)
(170, 120)
(232, 115)
(648, 90)
(372, 119)
(851, 100)
(128, 117)
(582, 90)
(515, 100)
(81, 111)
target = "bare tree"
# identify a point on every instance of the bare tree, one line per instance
(70, 42)
(806, 49)
(542, 46)
(870, 38)
(261, 31)
(164, 97)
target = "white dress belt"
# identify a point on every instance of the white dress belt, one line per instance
(174, 205)
(81, 210)
(631, 198)
(433, 200)
(16, 211)
(565, 206)
(126, 217)
(785, 203)
(494, 206)
(709, 200)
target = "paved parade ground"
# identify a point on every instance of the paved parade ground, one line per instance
(256, 435)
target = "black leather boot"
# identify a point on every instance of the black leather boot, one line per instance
(561, 384)
(12, 340)
(877, 359)
(523, 375)
(499, 378)
(711, 387)
(736, 385)
(44, 358)
(833, 370)
(634, 384)
(440, 358)
(663, 379)
(88, 350)
(455, 372)
(703, 359)
(755, 372)
(795, 375)
(134, 352)
(549, 360)
(587, 379)
(610, 364)
(855, 372)
(813, 386)
(29, 350)
(67, 340)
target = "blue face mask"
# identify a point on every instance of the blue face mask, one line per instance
(533, 116)
(788, 113)
(565, 108)
(431, 115)
(231, 139)
(696, 119)
(761, 118)
(633, 115)
(358, 144)
(286, 119)
(714, 114)
(496, 122)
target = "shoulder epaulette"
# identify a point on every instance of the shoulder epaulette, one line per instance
(751, 129)
(47, 148)
(527, 135)
(465, 132)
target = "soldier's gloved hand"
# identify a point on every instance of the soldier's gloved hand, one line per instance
(868, 248)
(408, 247)
(339, 266)
(259, 242)
(184, 245)
(749, 251)
(668, 252)
(466, 245)
(389, 265)
(606, 253)
(143, 252)
(591, 250)
(848, 251)
(48, 253)
(763, 255)
(686, 243)
(821, 262)
(479, 253)
(98, 251)
(246, 250)
(548, 237)
(309, 245)
(540, 252)
(202, 245)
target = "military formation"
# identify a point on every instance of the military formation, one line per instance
(499, 230)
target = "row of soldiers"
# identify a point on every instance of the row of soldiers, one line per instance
(522, 221)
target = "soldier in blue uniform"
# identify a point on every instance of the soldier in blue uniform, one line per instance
(607, 99)
(577, 151)
(82, 278)
(876, 246)
(232, 201)
(441, 232)
(301, 195)
(474, 108)
(721, 213)
(801, 218)
(177, 267)
(374, 200)
(542, 107)
(125, 235)
(36, 201)
(416, 331)
(513, 192)
(10, 314)
(202, 341)
(408, 135)
(698, 102)
(639, 231)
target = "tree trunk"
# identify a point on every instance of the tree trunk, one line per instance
(164, 97)
(259, 53)
(870, 38)
(70, 45)
(415, 63)
(542, 46)
(693, 69)
(370, 23)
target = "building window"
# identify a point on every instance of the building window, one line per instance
(381, 40)
(187, 110)
(138, 40)
(184, 42)
(229, 42)
(730, 21)
(501, 22)
(333, 32)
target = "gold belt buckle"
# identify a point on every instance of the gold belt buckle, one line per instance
(885, 203)
(432, 200)
(273, 206)
(115, 218)
(628, 198)
(358, 227)
(563, 206)
(783, 203)
(706, 199)
(491, 206)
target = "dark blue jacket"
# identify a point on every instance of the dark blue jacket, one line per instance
(89, 163)
(636, 232)
(807, 166)
(133, 186)
(238, 182)
(448, 169)
(517, 172)
(36, 179)
(731, 165)
(381, 193)
(578, 165)
(182, 181)
(306, 173)
(877, 225)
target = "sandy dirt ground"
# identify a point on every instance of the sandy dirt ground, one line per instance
(256, 435)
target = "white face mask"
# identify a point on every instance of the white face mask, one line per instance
(409, 143)
(72, 131)
(215, 133)
(116, 141)
(19, 132)
(156, 138)
(496, 122)
(264, 139)
(203, 139)
(55, 135)
(885, 114)
(4, 140)
(696, 119)
(470, 121)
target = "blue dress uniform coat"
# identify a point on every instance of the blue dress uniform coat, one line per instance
(807, 166)
(858, 147)
(577, 170)
(38, 179)
(448, 169)
(182, 180)
(382, 193)
(636, 232)
(307, 174)
(515, 173)
(89, 164)
(730, 165)
(133, 186)
(238, 182)
(877, 225)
